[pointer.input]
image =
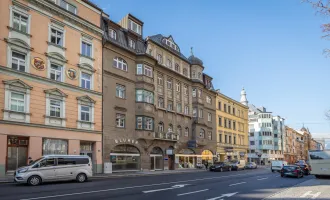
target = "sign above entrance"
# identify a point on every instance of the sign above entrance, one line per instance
(126, 140)
(229, 149)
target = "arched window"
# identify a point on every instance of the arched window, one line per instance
(179, 130)
(161, 127)
(177, 67)
(186, 132)
(160, 58)
(113, 34)
(199, 75)
(194, 92)
(170, 128)
(120, 63)
(185, 72)
(202, 133)
(169, 63)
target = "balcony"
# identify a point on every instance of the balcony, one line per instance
(143, 78)
(266, 147)
(166, 136)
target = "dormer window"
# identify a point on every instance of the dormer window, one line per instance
(132, 43)
(169, 42)
(69, 7)
(112, 34)
(134, 27)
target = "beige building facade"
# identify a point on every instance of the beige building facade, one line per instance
(232, 129)
(158, 105)
(51, 80)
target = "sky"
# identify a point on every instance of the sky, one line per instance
(271, 48)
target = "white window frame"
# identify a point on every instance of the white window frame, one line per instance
(209, 117)
(194, 92)
(179, 107)
(160, 58)
(148, 123)
(208, 99)
(86, 112)
(202, 133)
(122, 62)
(169, 84)
(199, 93)
(178, 87)
(195, 112)
(160, 80)
(139, 69)
(55, 120)
(113, 34)
(161, 127)
(56, 71)
(87, 42)
(209, 135)
(83, 124)
(139, 123)
(147, 71)
(19, 60)
(21, 12)
(131, 43)
(131, 24)
(169, 63)
(120, 120)
(161, 103)
(11, 98)
(91, 80)
(186, 132)
(56, 107)
(186, 110)
(177, 67)
(200, 113)
(170, 105)
(120, 91)
(57, 30)
(185, 89)
(67, 6)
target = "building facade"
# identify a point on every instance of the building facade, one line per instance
(232, 128)
(158, 105)
(51, 80)
(265, 135)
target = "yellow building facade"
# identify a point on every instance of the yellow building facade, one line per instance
(232, 129)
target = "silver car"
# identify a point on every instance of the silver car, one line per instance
(251, 165)
(55, 168)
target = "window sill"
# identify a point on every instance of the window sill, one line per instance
(120, 69)
(144, 130)
(18, 31)
(120, 127)
(121, 98)
(12, 111)
(81, 55)
(56, 45)
(86, 122)
(53, 117)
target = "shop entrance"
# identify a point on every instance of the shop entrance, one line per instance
(186, 158)
(156, 159)
(17, 152)
(207, 156)
(125, 158)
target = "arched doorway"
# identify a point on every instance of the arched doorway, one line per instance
(156, 159)
(125, 158)
(207, 156)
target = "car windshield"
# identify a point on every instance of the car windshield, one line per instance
(35, 161)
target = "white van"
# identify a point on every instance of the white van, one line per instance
(238, 164)
(276, 165)
(55, 168)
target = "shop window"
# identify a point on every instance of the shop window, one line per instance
(54, 146)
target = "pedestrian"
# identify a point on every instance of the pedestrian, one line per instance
(206, 165)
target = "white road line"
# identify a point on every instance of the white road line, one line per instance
(262, 179)
(309, 193)
(192, 192)
(236, 184)
(124, 188)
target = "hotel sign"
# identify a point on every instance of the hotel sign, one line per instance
(126, 140)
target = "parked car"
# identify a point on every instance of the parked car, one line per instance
(238, 164)
(276, 165)
(292, 170)
(251, 165)
(55, 168)
(304, 166)
(220, 167)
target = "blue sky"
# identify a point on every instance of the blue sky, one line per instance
(273, 48)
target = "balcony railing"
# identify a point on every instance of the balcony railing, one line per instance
(166, 136)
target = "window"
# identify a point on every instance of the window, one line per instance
(120, 63)
(226, 123)
(178, 108)
(220, 137)
(120, 120)
(55, 108)
(120, 91)
(220, 121)
(144, 96)
(194, 112)
(139, 69)
(186, 110)
(179, 130)
(17, 102)
(178, 86)
(56, 37)
(160, 102)
(160, 58)
(18, 61)
(185, 72)
(202, 133)
(194, 92)
(177, 67)
(169, 63)
(69, 7)
(234, 125)
(219, 105)
(200, 113)
(143, 69)
(160, 80)
(86, 49)
(252, 143)
(185, 89)
(275, 135)
(134, 27)
(208, 99)
(229, 110)
(229, 123)
(112, 34)
(148, 71)
(145, 123)
(160, 127)
(55, 72)
(20, 22)
(169, 84)
(54, 146)
(234, 113)
(170, 128)
(85, 113)
(234, 139)
(72, 161)
(226, 137)
(209, 117)
(199, 75)
(194, 74)
(139, 122)
(131, 43)
(229, 139)
(186, 132)
(86, 81)
(199, 93)
(225, 107)
(170, 105)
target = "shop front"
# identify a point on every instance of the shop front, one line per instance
(156, 159)
(125, 157)
(186, 158)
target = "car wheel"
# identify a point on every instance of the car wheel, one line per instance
(273, 171)
(282, 175)
(34, 181)
(81, 178)
(318, 176)
(229, 169)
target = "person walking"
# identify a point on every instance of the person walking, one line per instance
(206, 165)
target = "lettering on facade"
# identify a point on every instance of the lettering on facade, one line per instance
(126, 140)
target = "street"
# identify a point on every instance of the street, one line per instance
(247, 184)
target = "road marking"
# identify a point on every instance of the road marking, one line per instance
(192, 192)
(224, 195)
(309, 193)
(262, 179)
(236, 184)
(131, 187)
(171, 188)
(278, 176)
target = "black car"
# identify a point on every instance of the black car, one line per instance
(304, 166)
(220, 167)
(292, 170)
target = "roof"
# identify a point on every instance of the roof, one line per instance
(158, 40)
(92, 4)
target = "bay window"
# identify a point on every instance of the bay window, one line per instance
(144, 123)
(144, 96)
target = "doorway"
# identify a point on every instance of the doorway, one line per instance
(17, 152)
(156, 159)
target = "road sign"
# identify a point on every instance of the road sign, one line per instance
(171, 188)
(222, 196)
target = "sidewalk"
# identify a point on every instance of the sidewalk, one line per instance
(10, 179)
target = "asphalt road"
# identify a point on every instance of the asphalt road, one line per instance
(247, 184)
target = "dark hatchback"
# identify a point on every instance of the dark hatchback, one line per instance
(220, 166)
(304, 166)
(292, 170)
